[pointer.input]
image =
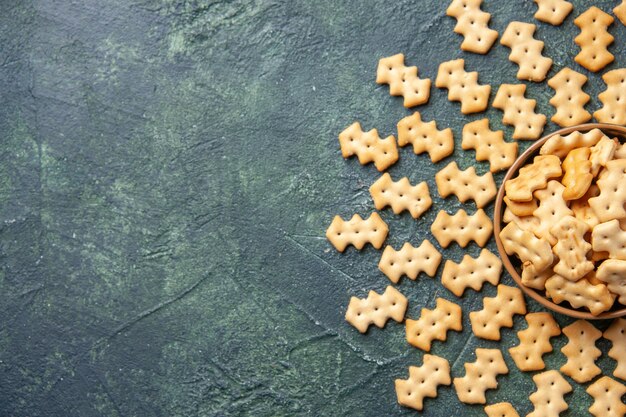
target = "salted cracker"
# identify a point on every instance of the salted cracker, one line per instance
(552, 208)
(376, 309)
(471, 272)
(519, 111)
(553, 11)
(409, 261)
(503, 409)
(533, 279)
(368, 146)
(571, 248)
(607, 398)
(473, 24)
(434, 324)
(613, 273)
(526, 51)
(497, 312)
(480, 376)
(533, 177)
(582, 210)
(526, 246)
(528, 223)
(577, 174)
(609, 204)
(620, 12)
(489, 145)
(521, 208)
(423, 382)
(569, 98)
(594, 38)
(463, 86)
(462, 228)
(357, 232)
(466, 184)
(616, 333)
(613, 98)
(534, 341)
(548, 399)
(561, 145)
(581, 351)
(601, 153)
(609, 237)
(403, 81)
(594, 297)
(425, 137)
(401, 195)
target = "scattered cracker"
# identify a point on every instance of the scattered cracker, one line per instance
(466, 184)
(409, 261)
(534, 341)
(497, 312)
(462, 228)
(434, 324)
(594, 38)
(582, 210)
(526, 246)
(601, 153)
(489, 145)
(581, 351)
(423, 382)
(521, 208)
(609, 237)
(519, 111)
(609, 204)
(613, 97)
(376, 309)
(480, 376)
(526, 51)
(368, 146)
(401, 195)
(569, 98)
(577, 174)
(553, 11)
(403, 80)
(561, 145)
(616, 333)
(607, 398)
(533, 279)
(501, 410)
(357, 232)
(533, 177)
(620, 12)
(581, 293)
(425, 137)
(552, 208)
(613, 273)
(463, 86)
(472, 23)
(471, 272)
(571, 248)
(528, 223)
(548, 399)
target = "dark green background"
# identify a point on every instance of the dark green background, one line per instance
(167, 172)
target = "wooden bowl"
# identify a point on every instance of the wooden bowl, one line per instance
(618, 310)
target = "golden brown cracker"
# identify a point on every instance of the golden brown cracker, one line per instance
(533, 177)
(607, 398)
(533, 279)
(497, 312)
(595, 298)
(357, 232)
(613, 273)
(609, 237)
(620, 12)
(471, 272)
(519, 111)
(526, 51)
(571, 248)
(462, 228)
(582, 210)
(552, 208)
(526, 246)
(423, 382)
(403, 81)
(548, 399)
(473, 24)
(577, 174)
(581, 351)
(409, 261)
(609, 204)
(534, 341)
(613, 98)
(594, 38)
(466, 184)
(489, 145)
(561, 145)
(616, 333)
(480, 376)
(521, 208)
(528, 223)
(501, 410)
(376, 309)
(463, 86)
(425, 137)
(434, 324)
(569, 98)
(601, 153)
(553, 11)
(401, 195)
(368, 146)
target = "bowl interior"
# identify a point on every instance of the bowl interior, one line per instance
(512, 265)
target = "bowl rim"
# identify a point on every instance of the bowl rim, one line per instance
(612, 129)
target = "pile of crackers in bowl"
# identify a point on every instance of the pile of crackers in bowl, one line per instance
(563, 214)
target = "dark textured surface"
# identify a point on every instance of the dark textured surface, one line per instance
(168, 169)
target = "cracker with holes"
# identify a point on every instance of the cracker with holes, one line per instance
(357, 232)
(368, 146)
(613, 98)
(463, 86)
(434, 324)
(519, 111)
(609, 237)
(526, 51)
(401, 195)
(471, 272)
(480, 376)
(403, 81)
(501, 410)
(594, 39)
(553, 11)
(526, 246)
(582, 210)
(620, 12)
(609, 204)
(521, 208)
(600, 154)
(425, 137)
(533, 177)
(497, 312)
(489, 145)
(533, 279)
(473, 24)
(549, 400)
(528, 223)
(581, 351)
(577, 174)
(376, 309)
(560, 146)
(594, 297)
(569, 98)
(616, 333)
(423, 382)
(409, 261)
(571, 248)
(534, 341)
(607, 398)
(466, 184)
(462, 228)
(552, 208)
(613, 273)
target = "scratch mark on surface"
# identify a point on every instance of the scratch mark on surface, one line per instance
(467, 341)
